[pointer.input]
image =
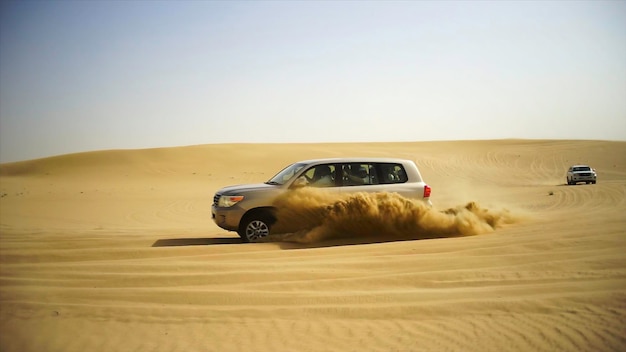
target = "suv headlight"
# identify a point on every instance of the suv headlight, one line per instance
(229, 201)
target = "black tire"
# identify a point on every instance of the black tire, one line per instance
(593, 182)
(255, 226)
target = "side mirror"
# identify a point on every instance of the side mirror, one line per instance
(299, 183)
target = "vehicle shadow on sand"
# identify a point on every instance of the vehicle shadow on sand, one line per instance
(175, 242)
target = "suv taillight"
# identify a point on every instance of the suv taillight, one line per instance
(427, 191)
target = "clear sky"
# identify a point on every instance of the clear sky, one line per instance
(90, 75)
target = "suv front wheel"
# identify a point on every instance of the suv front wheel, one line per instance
(255, 226)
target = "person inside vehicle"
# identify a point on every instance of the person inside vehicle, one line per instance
(356, 174)
(322, 177)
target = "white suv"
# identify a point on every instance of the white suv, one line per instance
(581, 173)
(249, 210)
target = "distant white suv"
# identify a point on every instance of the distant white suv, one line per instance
(249, 210)
(581, 173)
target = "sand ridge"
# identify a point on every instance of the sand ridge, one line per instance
(115, 250)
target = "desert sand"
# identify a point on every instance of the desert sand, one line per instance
(116, 251)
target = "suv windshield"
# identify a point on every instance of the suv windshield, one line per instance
(286, 174)
(582, 168)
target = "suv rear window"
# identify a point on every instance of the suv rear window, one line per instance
(392, 173)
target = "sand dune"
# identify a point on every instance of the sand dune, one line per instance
(116, 251)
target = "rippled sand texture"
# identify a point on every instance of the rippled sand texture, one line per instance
(116, 251)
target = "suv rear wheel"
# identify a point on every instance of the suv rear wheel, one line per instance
(255, 226)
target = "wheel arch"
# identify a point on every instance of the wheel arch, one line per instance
(264, 211)
(264, 214)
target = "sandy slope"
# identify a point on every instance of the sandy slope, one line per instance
(115, 251)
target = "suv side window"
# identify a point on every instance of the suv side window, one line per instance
(358, 174)
(392, 173)
(321, 175)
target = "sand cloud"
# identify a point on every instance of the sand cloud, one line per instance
(311, 215)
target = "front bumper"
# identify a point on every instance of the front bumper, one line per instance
(227, 218)
(583, 178)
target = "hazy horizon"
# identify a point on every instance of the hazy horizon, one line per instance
(85, 76)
